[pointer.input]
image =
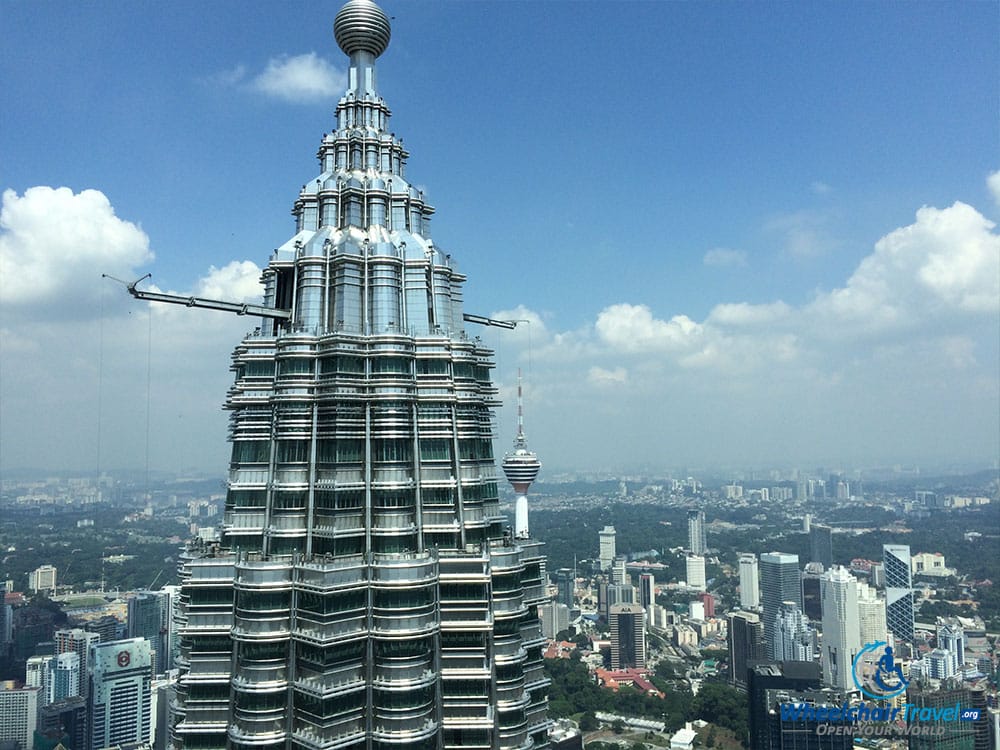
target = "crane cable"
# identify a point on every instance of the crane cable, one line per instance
(149, 380)
(100, 387)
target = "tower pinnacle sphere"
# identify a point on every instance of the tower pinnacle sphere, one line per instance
(361, 26)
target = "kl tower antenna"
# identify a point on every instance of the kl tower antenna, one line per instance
(521, 467)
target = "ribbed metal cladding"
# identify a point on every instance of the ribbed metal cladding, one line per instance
(361, 26)
(365, 593)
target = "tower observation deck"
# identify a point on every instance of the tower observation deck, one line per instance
(521, 468)
(363, 594)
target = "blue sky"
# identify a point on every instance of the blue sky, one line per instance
(708, 210)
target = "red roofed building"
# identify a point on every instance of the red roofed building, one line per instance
(637, 678)
(559, 650)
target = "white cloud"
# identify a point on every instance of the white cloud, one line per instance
(898, 359)
(528, 322)
(897, 362)
(820, 188)
(745, 314)
(301, 78)
(238, 281)
(947, 262)
(55, 243)
(722, 257)
(227, 78)
(804, 234)
(633, 328)
(993, 183)
(602, 377)
(77, 353)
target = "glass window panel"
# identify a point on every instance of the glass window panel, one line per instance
(293, 451)
(392, 449)
(258, 369)
(247, 498)
(251, 451)
(435, 449)
(432, 367)
(295, 366)
(391, 365)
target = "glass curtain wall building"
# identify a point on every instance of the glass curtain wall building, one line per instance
(899, 605)
(366, 592)
(780, 582)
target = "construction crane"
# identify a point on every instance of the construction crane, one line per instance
(241, 308)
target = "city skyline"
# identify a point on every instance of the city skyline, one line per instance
(803, 236)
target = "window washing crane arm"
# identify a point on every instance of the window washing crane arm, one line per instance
(242, 308)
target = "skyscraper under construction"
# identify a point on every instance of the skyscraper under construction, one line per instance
(366, 592)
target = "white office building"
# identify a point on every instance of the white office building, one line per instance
(607, 549)
(871, 614)
(120, 693)
(841, 627)
(18, 714)
(749, 582)
(695, 569)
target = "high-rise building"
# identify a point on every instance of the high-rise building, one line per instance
(696, 610)
(871, 614)
(64, 721)
(38, 672)
(695, 569)
(899, 603)
(821, 544)
(146, 611)
(945, 734)
(169, 595)
(937, 664)
(120, 688)
(770, 686)
(77, 641)
(745, 639)
(521, 468)
(841, 627)
(66, 677)
(697, 543)
(749, 582)
(647, 590)
(607, 553)
(364, 590)
(565, 586)
(794, 638)
(6, 623)
(779, 582)
(876, 575)
(18, 714)
(708, 601)
(812, 597)
(951, 640)
(628, 636)
(554, 617)
(107, 627)
(42, 578)
(619, 573)
(616, 594)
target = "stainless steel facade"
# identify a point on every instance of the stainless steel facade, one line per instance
(365, 593)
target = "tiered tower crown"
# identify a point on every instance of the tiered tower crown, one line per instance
(364, 593)
(362, 260)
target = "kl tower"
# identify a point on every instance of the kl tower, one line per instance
(521, 467)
